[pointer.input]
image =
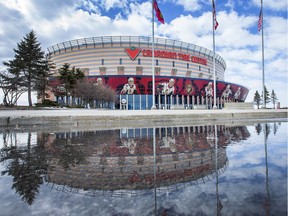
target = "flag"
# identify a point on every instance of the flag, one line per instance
(260, 20)
(158, 12)
(214, 16)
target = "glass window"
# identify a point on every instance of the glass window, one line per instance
(120, 61)
(139, 61)
(157, 62)
(173, 63)
(187, 65)
(102, 61)
(199, 68)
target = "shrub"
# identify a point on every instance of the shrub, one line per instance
(47, 103)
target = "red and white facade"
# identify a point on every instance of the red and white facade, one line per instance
(115, 59)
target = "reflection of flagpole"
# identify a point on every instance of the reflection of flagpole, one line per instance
(267, 202)
(216, 163)
(153, 65)
(263, 75)
(154, 156)
(218, 202)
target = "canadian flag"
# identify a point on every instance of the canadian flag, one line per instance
(158, 12)
(214, 15)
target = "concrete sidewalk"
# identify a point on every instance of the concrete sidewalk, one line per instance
(156, 112)
(98, 118)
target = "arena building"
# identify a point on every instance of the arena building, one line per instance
(124, 63)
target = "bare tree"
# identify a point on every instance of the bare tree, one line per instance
(11, 88)
(86, 90)
(90, 92)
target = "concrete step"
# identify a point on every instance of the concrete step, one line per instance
(238, 105)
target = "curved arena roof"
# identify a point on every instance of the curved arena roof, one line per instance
(110, 41)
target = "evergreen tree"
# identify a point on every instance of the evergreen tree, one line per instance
(29, 65)
(257, 99)
(273, 98)
(68, 78)
(43, 81)
(267, 96)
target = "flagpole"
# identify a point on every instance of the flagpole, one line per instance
(214, 71)
(263, 74)
(153, 62)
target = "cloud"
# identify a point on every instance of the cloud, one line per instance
(108, 4)
(96, 6)
(89, 6)
(230, 4)
(278, 5)
(189, 5)
(143, 9)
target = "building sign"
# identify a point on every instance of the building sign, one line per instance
(174, 55)
(199, 60)
(133, 52)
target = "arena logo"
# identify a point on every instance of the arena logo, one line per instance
(133, 52)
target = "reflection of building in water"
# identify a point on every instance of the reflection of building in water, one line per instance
(124, 159)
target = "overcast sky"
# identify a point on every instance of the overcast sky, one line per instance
(237, 38)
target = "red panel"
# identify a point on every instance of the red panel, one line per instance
(182, 85)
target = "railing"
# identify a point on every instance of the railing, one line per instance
(144, 102)
(78, 102)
